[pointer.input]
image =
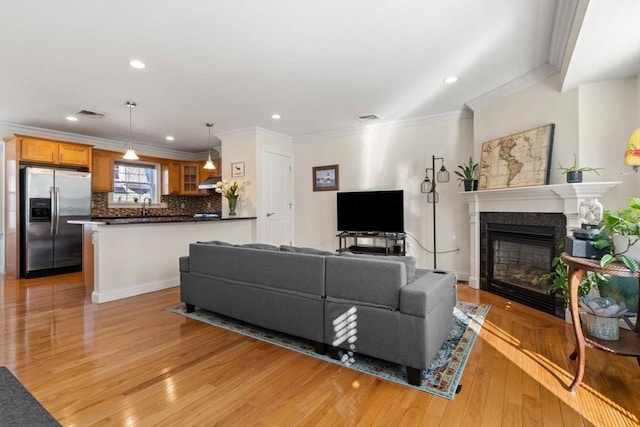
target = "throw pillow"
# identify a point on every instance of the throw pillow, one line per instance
(299, 250)
(409, 261)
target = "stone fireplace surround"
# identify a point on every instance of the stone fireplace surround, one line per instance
(555, 198)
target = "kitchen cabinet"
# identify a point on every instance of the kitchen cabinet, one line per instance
(171, 173)
(206, 173)
(190, 178)
(102, 171)
(53, 152)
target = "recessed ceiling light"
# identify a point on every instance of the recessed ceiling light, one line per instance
(137, 64)
(170, 138)
(275, 116)
(72, 118)
(451, 79)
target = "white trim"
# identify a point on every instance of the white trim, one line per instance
(100, 297)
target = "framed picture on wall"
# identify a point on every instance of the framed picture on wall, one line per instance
(237, 170)
(326, 178)
(517, 160)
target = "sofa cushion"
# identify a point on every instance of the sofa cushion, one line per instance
(259, 246)
(374, 281)
(299, 250)
(295, 272)
(217, 243)
(408, 261)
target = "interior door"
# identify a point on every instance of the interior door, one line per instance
(278, 206)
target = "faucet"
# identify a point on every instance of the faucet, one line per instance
(144, 205)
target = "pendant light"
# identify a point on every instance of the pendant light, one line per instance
(130, 154)
(209, 164)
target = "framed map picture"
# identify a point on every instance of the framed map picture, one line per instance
(518, 160)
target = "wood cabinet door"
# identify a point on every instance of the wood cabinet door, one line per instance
(175, 178)
(190, 178)
(38, 150)
(72, 154)
(102, 171)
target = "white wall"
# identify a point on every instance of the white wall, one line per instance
(609, 112)
(387, 158)
(240, 147)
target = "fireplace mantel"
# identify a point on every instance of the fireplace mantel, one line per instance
(556, 198)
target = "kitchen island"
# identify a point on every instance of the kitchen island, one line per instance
(127, 257)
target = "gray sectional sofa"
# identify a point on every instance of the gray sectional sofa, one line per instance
(374, 305)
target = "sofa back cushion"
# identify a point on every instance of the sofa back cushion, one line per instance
(291, 271)
(367, 281)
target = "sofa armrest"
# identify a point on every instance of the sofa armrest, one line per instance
(184, 264)
(429, 289)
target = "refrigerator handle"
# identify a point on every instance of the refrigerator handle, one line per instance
(57, 189)
(52, 194)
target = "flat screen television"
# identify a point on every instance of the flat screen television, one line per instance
(371, 211)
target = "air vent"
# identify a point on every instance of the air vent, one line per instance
(368, 117)
(89, 113)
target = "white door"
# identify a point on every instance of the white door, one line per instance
(277, 199)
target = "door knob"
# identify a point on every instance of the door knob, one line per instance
(270, 213)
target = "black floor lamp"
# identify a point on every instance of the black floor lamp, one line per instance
(429, 188)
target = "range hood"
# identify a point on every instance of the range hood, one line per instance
(209, 183)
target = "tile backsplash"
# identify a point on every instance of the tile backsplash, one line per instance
(212, 202)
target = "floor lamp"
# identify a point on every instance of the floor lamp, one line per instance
(428, 187)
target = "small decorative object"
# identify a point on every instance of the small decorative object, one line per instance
(602, 317)
(590, 214)
(231, 192)
(621, 234)
(326, 178)
(632, 153)
(467, 175)
(517, 160)
(237, 170)
(574, 172)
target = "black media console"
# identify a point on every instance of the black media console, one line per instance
(374, 243)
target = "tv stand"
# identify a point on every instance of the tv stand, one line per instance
(373, 242)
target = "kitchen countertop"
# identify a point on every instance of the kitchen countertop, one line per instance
(152, 219)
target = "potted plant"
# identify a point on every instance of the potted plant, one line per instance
(558, 281)
(620, 233)
(467, 175)
(574, 172)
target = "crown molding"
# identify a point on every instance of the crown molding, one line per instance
(101, 143)
(536, 75)
(417, 121)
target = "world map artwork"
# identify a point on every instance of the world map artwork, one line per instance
(517, 160)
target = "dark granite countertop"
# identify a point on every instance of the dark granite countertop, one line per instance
(153, 219)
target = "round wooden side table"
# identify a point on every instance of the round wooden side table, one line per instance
(629, 342)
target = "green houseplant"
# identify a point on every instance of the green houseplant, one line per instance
(621, 234)
(574, 172)
(467, 175)
(558, 280)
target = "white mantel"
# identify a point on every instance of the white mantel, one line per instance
(557, 198)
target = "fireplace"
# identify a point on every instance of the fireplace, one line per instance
(516, 249)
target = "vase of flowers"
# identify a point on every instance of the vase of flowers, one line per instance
(231, 192)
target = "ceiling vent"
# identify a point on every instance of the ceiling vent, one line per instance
(368, 117)
(89, 113)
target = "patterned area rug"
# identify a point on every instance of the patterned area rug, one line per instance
(441, 379)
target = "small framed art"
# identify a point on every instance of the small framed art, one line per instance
(326, 178)
(237, 170)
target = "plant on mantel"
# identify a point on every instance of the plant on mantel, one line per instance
(467, 174)
(574, 172)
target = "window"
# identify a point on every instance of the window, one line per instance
(134, 182)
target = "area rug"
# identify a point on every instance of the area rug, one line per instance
(18, 407)
(442, 378)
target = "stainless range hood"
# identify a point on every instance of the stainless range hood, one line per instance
(209, 183)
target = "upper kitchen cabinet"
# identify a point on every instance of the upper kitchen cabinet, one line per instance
(190, 178)
(51, 152)
(171, 173)
(102, 171)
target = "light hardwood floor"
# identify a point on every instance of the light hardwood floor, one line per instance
(130, 362)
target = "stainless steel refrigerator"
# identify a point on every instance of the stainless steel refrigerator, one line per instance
(49, 199)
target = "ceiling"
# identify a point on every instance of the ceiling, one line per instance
(318, 64)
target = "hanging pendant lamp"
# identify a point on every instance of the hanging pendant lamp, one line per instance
(130, 154)
(209, 165)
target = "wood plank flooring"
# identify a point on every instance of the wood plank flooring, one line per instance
(132, 363)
